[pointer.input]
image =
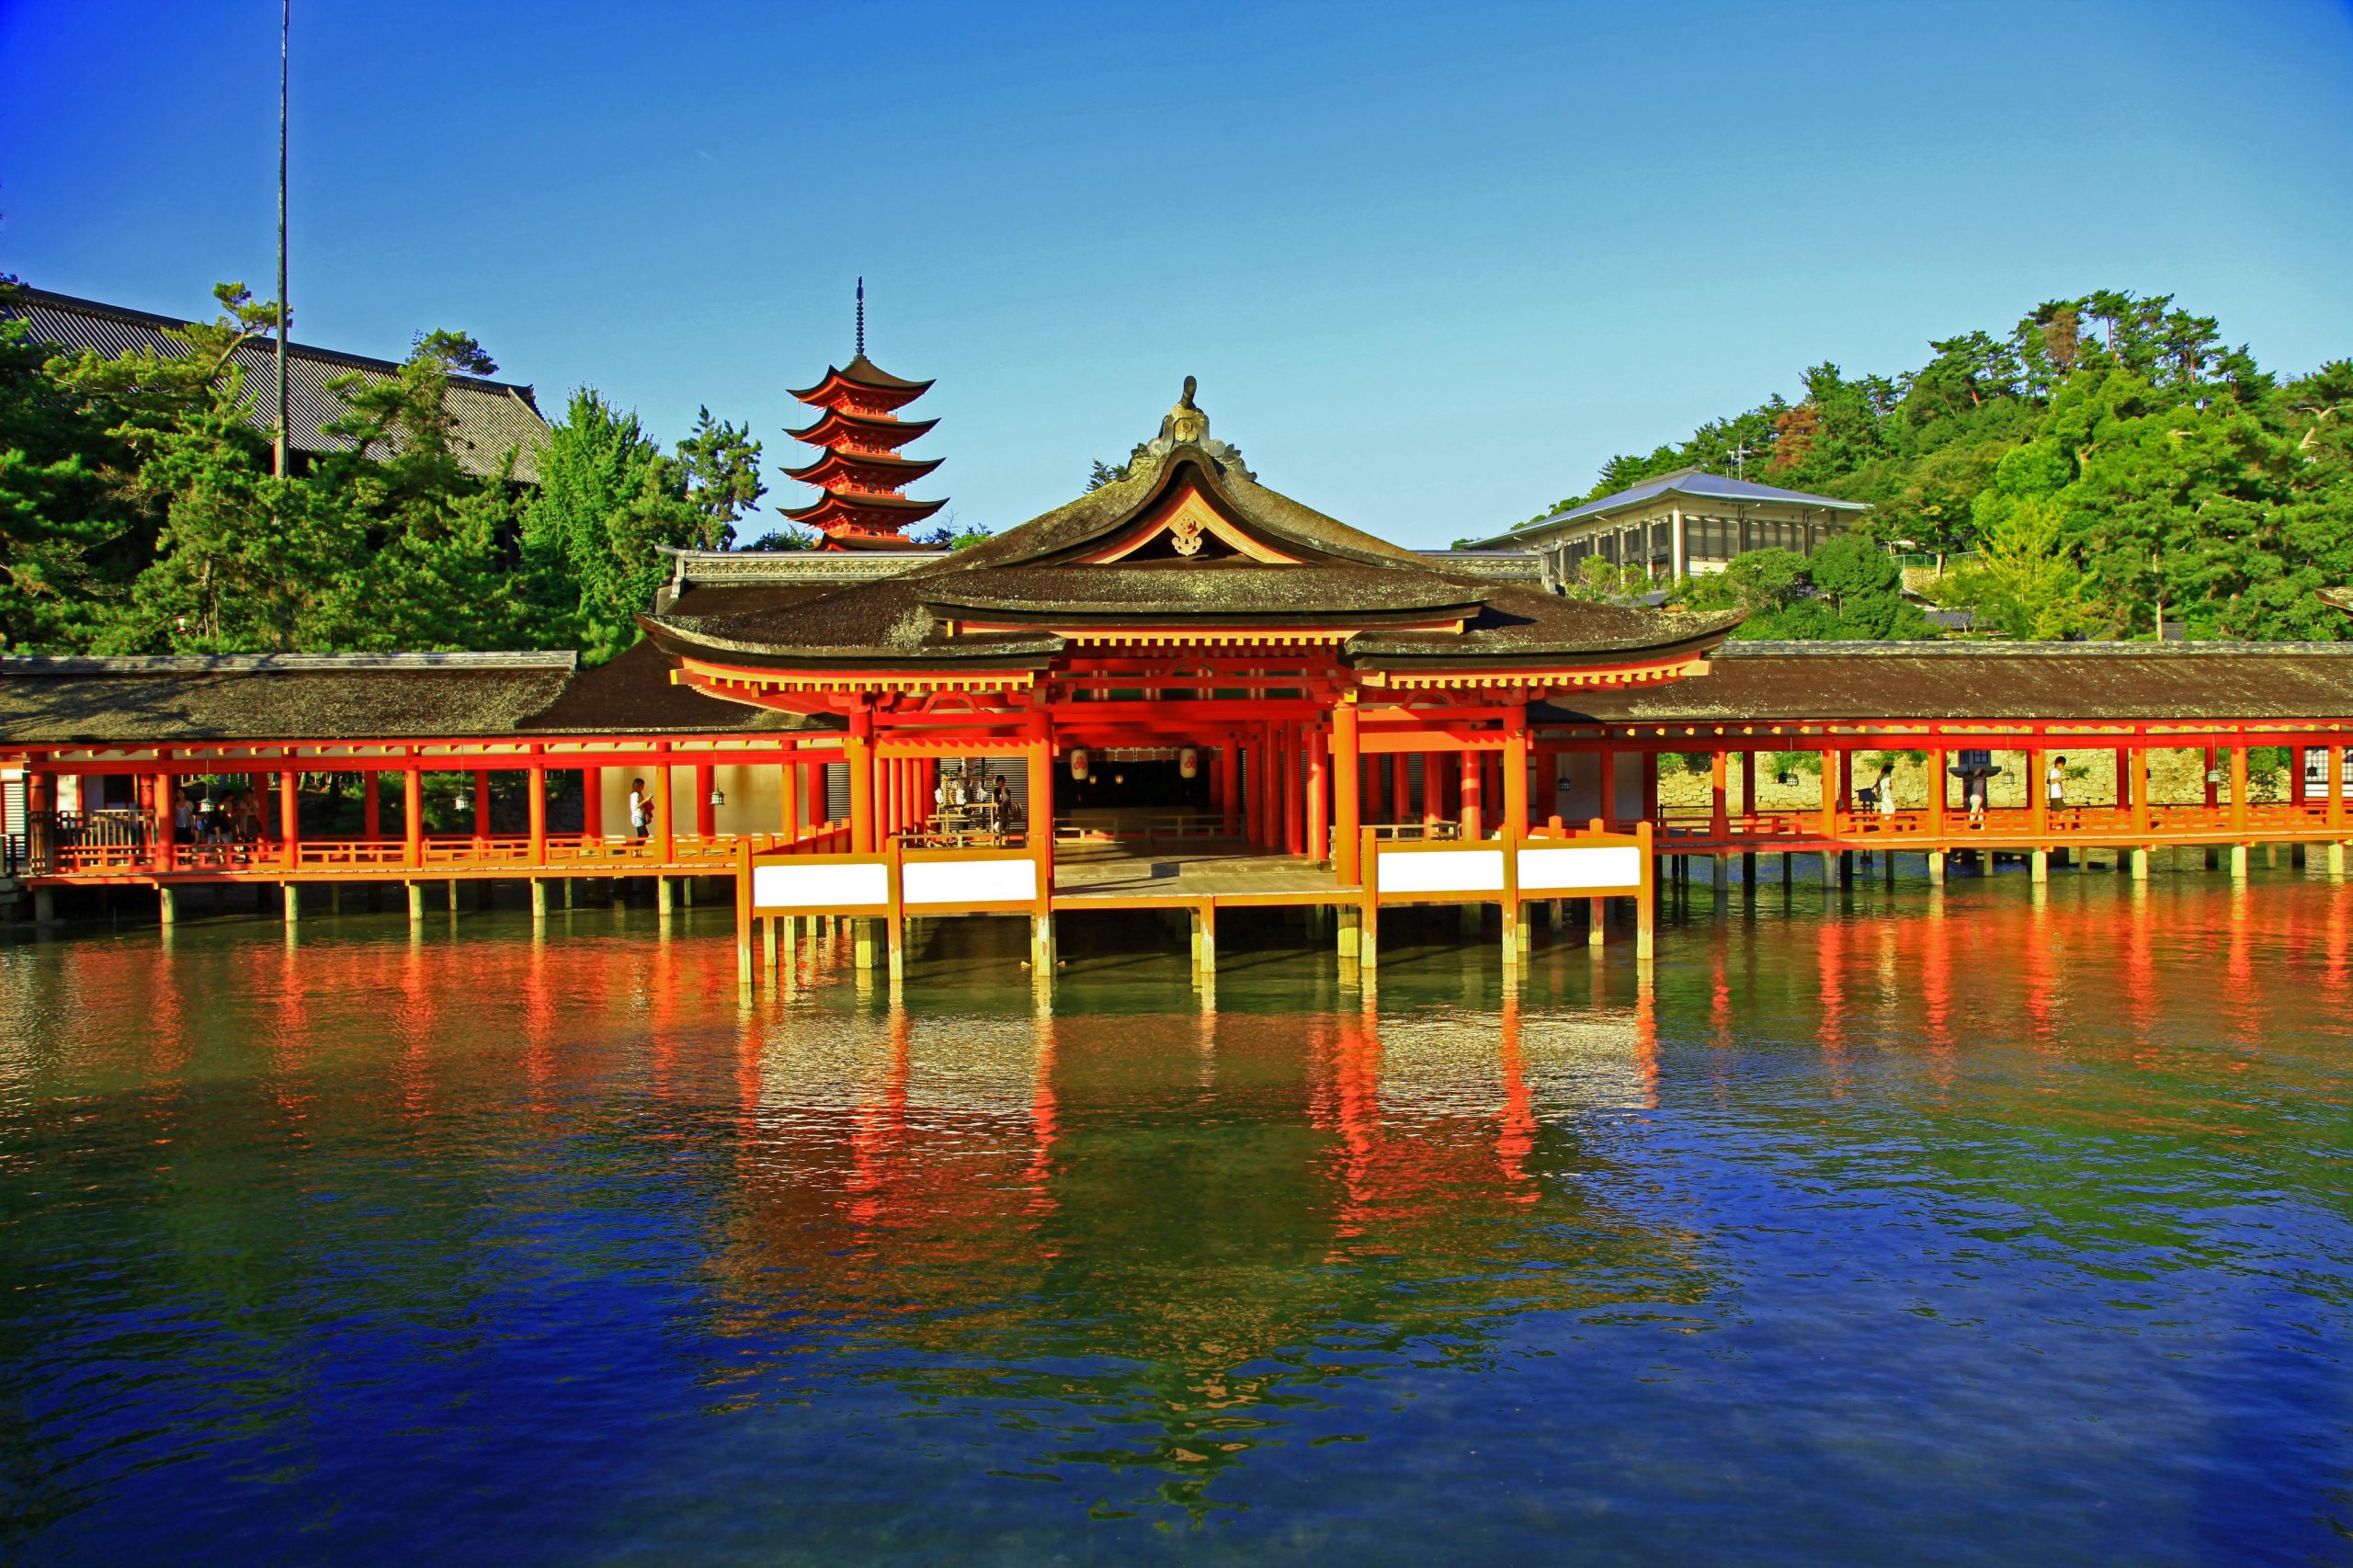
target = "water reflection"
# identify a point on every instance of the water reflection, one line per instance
(500, 1215)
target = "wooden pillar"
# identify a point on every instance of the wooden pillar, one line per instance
(858, 753)
(665, 842)
(1607, 771)
(1718, 798)
(165, 807)
(371, 805)
(1401, 786)
(2336, 785)
(2238, 787)
(2137, 758)
(592, 802)
(1347, 851)
(1038, 753)
(2213, 788)
(1473, 819)
(1433, 789)
(482, 804)
(289, 818)
(1515, 766)
(1936, 800)
(1229, 787)
(1318, 769)
(1650, 786)
(788, 798)
(1830, 801)
(2125, 796)
(2037, 798)
(538, 782)
(1748, 781)
(413, 816)
(1291, 833)
(706, 814)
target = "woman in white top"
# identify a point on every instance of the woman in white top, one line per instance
(2057, 782)
(637, 812)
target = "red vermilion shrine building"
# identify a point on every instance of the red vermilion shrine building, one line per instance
(1183, 689)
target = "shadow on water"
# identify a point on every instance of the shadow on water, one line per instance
(1960, 1226)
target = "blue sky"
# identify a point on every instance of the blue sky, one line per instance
(1432, 264)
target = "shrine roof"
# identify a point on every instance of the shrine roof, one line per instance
(2064, 682)
(902, 430)
(1334, 573)
(1197, 590)
(864, 372)
(907, 470)
(633, 694)
(269, 697)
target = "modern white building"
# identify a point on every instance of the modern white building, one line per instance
(1687, 522)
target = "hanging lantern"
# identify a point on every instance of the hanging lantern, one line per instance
(717, 796)
(1078, 762)
(1189, 762)
(464, 799)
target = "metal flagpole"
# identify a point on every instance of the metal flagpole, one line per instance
(285, 25)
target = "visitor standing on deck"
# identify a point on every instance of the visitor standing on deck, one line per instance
(2055, 785)
(637, 809)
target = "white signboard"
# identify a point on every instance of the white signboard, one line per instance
(930, 883)
(1573, 868)
(1442, 870)
(820, 886)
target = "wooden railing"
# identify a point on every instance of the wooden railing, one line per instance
(557, 854)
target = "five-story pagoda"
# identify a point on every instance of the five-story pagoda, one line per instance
(859, 470)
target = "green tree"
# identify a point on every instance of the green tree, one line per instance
(243, 560)
(723, 464)
(592, 535)
(59, 505)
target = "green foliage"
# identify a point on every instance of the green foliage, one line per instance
(723, 464)
(1849, 589)
(140, 512)
(2119, 466)
(57, 507)
(607, 502)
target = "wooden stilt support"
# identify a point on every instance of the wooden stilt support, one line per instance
(1205, 938)
(2040, 865)
(167, 904)
(539, 901)
(2239, 861)
(415, 903)
(665, 896)
(1645, 909)
(1351, 930)
(289, 901)
(2141, 856)
(1041, 942)
(1935, 867)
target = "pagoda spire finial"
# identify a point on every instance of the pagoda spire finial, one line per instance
(862, 317)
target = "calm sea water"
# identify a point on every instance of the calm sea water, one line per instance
(1975, 1228)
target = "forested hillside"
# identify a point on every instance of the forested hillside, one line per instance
(2105, 465)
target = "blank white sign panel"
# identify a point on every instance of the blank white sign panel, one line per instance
(1572, 868)
(933, 882)
(820, 886)
(1443, 871)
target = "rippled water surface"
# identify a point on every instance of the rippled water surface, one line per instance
(1966, 1228)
